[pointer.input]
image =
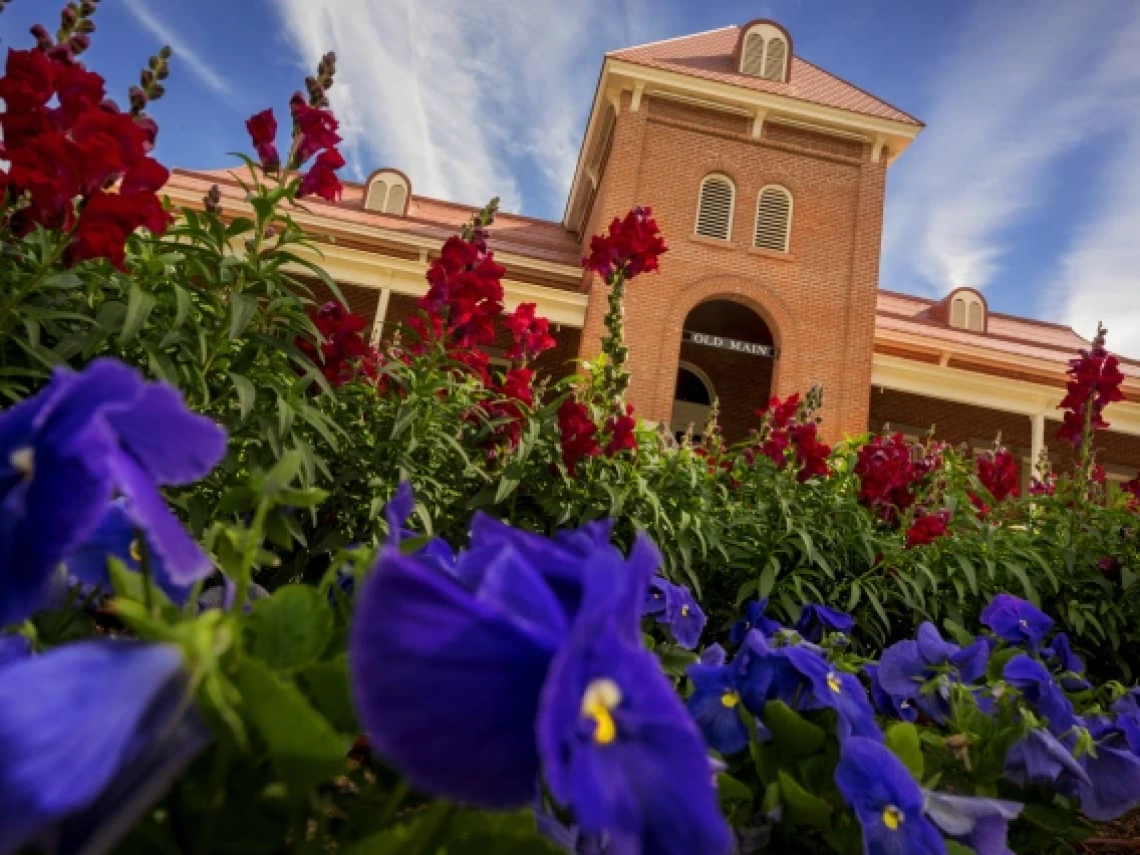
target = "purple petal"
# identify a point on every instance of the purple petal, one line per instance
(447, 686)
(183, 558)
(169, 442)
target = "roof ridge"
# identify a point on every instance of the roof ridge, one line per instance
(673, 39)
(820, 68)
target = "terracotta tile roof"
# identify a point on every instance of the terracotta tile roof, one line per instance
(709, 55)
(1005, 334)
(426, 218)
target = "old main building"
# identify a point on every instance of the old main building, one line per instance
(767, 176)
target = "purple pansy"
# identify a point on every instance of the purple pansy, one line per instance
(1036, 685)
(886, 800)
(715, 706)
(116, 537)
(14, 648)
(800, 677)
(1040, 758)
(68, 449)
(1016, 620)
(1061, 658)
(816, 621)
(655, 596)
(979, 823)
(525, 658)
(903, 709)
(92, 735)
(754, 618)
(682, 614)
(907, 666)
(1113, 786)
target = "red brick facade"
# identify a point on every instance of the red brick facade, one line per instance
(817, 300)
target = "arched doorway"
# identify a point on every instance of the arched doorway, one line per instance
(727, 353)
(692, 400)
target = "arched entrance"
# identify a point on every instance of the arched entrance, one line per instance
(727, 353)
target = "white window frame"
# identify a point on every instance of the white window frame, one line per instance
(731, 205)
(787, 226)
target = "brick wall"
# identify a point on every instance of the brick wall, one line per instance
(818, 300)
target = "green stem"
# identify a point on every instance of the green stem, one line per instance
(6, 312)
(254, 538)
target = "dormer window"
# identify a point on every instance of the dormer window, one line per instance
(764, 50)
(388, 192)
(967, 310)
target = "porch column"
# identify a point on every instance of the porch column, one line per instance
(381, 311)
(1037, 442)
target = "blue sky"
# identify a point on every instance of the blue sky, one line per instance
(1026, 182)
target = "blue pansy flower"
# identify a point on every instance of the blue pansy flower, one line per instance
(92, 735)
(1113, 786)
(1040, 758)
(396, 513)
(619, 748)
(1129, 702)
(1061, 658)
(816, 620)
(800, 677)
(1016, 620)
(906, 667)
(65, 451)
(1036, 685)
(116, 537)
(902, 708)
(754, 618)
(979, 823)
(685, 619)
(655, 596)
(713, 655)
(715, 706)
(886, 800)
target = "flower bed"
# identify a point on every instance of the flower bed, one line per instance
(270, 588)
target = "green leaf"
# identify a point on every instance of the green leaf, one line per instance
(302, 745)
(954, 848)
(803, 808)
(730, 790)
(291, 628)
(139, 306)
(902, 739)
(242, 307)
(768, 576)
(792, 734)
(246, 393)
(327, 686)
(674, 660)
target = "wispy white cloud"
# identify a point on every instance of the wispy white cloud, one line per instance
(182, 52)
(1098, 276)
(1023, 85)
(467, 98)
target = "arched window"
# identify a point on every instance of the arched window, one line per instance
(387, 192)
(715, 207)
(773, 219)
(974, 319)
(967, 310)
(753, 60)
(774, 59)
(958, 313)
(764, 50)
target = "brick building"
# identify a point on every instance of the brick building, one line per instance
(767, 176)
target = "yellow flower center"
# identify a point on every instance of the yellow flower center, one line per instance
(684, 611)
(730, 699)
(601, 698)
(136, 550)
(23, 460)
(892, 817)
(833, 683)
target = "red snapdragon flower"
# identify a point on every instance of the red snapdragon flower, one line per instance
(530, 333)
(518, 391)
(927, 528)
(888, 476)
(1000, 474)
(66, 158)
(465, 292)
(321, 179)
(786, 428)
(316, 129)
(1132, 488)
(262, 129)
(630, 247)
(811, 454)
(342, 347)
(578, 434)
(1042, 487)
(621, 430)
(1095, 383)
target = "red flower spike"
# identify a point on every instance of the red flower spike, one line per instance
(1095, 383)
(1000, 474)
(321, 179)
(630, 247)
(262, 129)
(578, 433)
(621, 430)
(927, 528)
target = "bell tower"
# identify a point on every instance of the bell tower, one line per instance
(767, 176)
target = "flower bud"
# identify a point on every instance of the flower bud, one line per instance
(69, 16)
(79, 43)
(146, 78)
(87, 8)
(157, 91)
(138, 99)
(86, 27)
(166, 52)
